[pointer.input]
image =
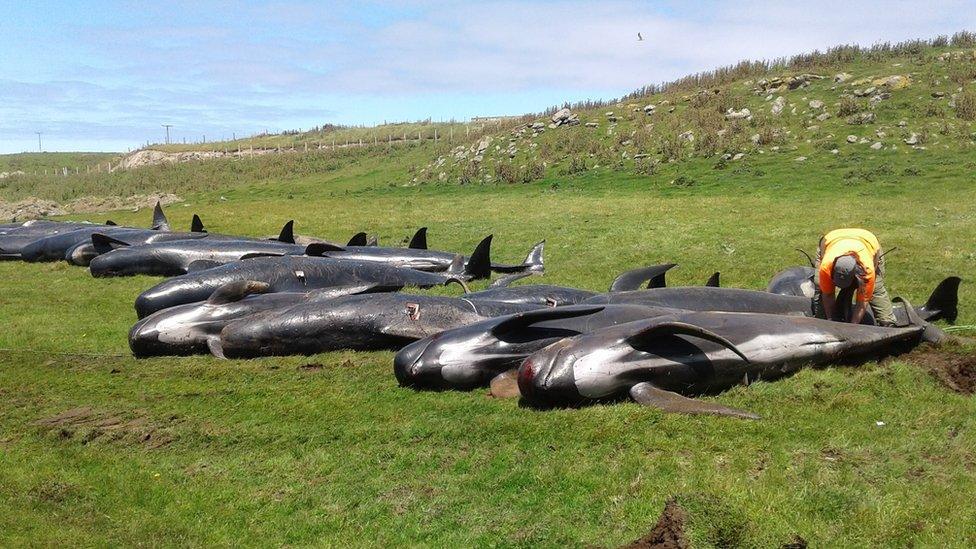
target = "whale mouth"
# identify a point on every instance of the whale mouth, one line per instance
(409, 368)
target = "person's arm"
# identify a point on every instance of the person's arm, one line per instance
(860, 309)
(829, 303)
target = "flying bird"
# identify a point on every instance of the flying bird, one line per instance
(639, 37)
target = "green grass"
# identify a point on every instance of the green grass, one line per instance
(196, 451)
(30, 163)
(341, 455)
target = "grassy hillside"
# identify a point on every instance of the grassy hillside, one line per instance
(101, 449)
(29, 163)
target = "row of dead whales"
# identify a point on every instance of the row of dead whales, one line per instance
(239, 297)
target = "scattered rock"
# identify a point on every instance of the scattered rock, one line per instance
(738, 156)
(893, 82)
(842, 77)
(935, 94)
(687, 136)
(902, 123)
(877, 146)
(852, 139)
(800, 159)
(912, 139)
(778, 105)
(591, 125)
(823, 116)
(733, 114)
(649, 109)
(861, 118)
(816, 104)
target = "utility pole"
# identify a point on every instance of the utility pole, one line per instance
(39, 142)
(167, 126)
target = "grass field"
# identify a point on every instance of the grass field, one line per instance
(97, 448)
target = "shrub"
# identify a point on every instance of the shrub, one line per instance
(645, 165)
(962, 72)
(577, 164)
(848, 106)
(671, 146)
(966, 105)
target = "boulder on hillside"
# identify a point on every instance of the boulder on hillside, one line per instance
(733, 114)
(564, 117)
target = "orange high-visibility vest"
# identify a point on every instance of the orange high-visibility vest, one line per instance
(861, 244)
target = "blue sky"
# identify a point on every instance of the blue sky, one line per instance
(103, 75)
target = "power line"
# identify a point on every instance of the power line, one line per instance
(167, 126)
(39, 142)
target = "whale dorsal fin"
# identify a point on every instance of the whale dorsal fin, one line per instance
(632, 280)
(111, 223)
(196, 225)
(419, 240)
(713, 281)
(642, 339)
(358, 239)
(287, 233)
(523, 320)
(647, 394)
(159, 222)
(236, 291)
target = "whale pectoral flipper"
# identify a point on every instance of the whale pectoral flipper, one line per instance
(649, 334)
(505, 384)
(213, 343)
(667, 401)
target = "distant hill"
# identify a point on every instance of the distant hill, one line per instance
(903, 98)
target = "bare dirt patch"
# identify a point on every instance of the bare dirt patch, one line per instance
(87, 425)
(954, 370)
(668, 533)
(34, 208)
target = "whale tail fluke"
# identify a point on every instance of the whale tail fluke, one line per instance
(944, 301)
(534, 261)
